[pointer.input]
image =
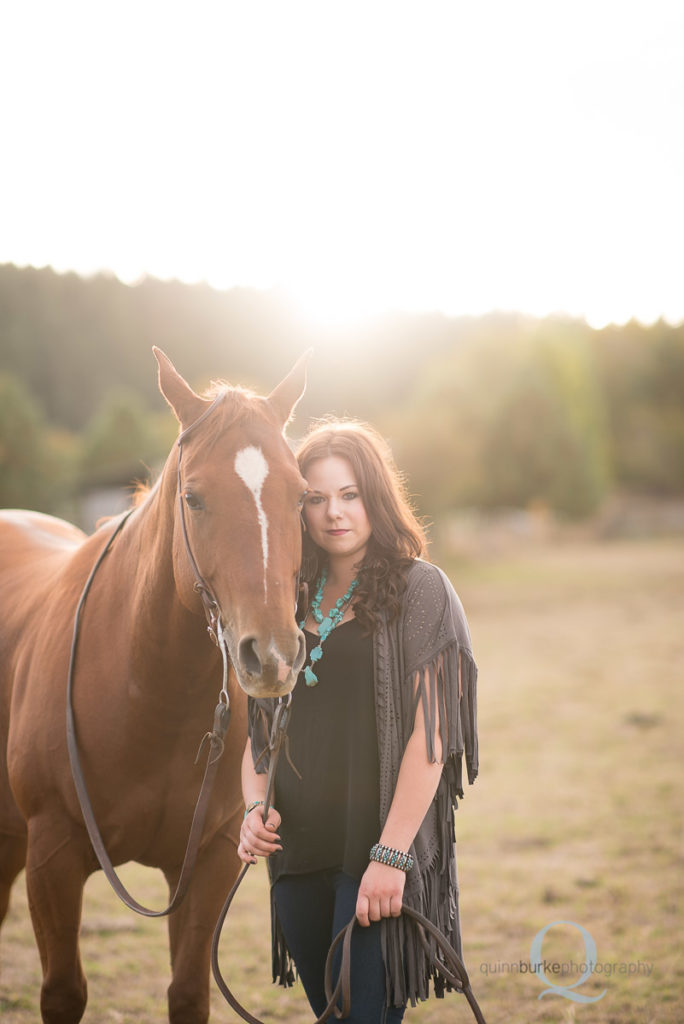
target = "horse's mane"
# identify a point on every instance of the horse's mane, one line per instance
(141, 492)
(239, 404)
(235, 390)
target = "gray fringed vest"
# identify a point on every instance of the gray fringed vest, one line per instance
(430, 642)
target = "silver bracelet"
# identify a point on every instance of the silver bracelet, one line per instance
(393, 858)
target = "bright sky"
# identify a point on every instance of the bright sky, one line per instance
(461, 156)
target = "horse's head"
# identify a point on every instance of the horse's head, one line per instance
(237, 524)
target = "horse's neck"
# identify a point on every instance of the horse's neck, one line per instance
(164, 633)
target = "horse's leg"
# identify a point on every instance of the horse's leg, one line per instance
(12, 833)
(55, 875)
(12, 860)
(191, 928)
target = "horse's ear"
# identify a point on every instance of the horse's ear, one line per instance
(185, 403)
(285, 397)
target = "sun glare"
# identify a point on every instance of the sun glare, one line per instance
(329, 304)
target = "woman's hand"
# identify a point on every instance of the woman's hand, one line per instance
(257, 839)
(380, 894)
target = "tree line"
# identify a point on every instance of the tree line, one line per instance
(499, 410)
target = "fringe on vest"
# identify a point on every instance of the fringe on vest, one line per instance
(446, 690)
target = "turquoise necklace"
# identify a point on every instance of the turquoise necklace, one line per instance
(326, 623)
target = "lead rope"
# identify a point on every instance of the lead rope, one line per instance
(215, 737)
(449, 964)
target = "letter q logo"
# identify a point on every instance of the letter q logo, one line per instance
(567, 991)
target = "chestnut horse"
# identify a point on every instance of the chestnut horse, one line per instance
(147, 677)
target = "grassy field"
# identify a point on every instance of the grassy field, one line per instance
(576, 816)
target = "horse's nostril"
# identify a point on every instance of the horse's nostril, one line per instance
(248, 657)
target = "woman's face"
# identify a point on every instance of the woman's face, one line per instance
(334, 511)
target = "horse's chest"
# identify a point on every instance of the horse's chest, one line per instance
(149, 819)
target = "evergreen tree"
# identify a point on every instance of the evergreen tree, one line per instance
(24, 457)
(121, 443)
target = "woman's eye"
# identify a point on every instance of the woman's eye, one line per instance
(350, 495)
(314, 499)
(193, 501)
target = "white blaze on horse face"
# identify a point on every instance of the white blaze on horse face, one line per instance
(252, 468)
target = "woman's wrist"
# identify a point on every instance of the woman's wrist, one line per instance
(251, 806)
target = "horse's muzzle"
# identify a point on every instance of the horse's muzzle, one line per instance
(263, 671)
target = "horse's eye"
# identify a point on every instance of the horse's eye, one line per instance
(300, 502)
(193, 501)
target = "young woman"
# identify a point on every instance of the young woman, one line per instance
(382, 715)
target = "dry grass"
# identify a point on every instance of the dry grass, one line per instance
(577, 814)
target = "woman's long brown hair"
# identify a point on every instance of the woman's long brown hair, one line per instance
(397, 536)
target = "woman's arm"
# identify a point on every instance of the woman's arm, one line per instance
(256, 839)
(382, 887)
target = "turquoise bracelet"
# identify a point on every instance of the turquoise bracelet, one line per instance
(250, 807)
(393, 858)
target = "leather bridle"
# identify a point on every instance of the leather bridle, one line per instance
(215, 736)
(210, 603)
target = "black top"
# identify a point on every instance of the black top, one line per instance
(331, 818)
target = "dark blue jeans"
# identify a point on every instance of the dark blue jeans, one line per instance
(312, 909)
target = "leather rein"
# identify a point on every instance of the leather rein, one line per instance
(440, 952)
(215, 736)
